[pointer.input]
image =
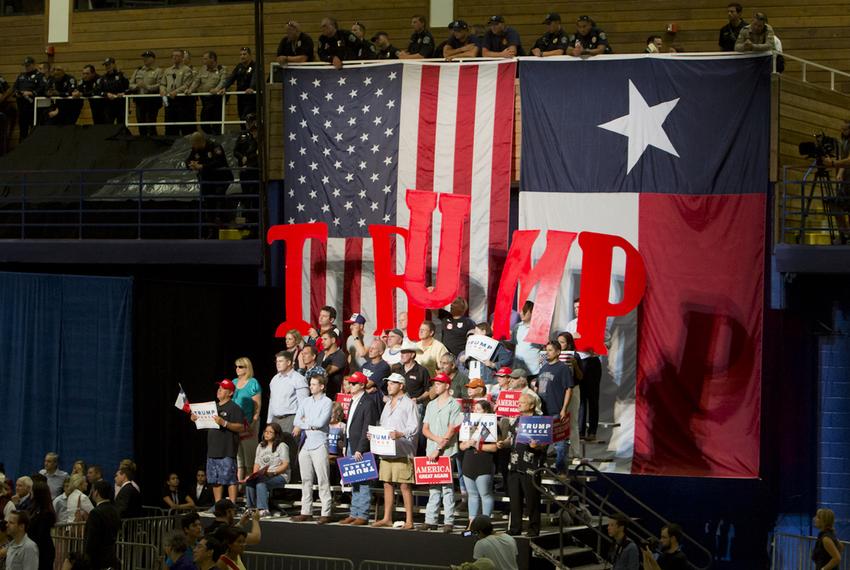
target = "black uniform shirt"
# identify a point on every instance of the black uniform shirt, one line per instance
(31, 81)
(333, 46)
(114, 82)
(302, 46)
(422, 43)
(552, 41)
(594, 38)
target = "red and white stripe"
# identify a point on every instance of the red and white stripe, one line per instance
(456, 135)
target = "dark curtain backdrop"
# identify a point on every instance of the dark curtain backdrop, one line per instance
(192, 333)
(66, 380)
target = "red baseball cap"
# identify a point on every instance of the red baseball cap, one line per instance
(227, 385)
(441, 377)
(358, 378)
(503, 371)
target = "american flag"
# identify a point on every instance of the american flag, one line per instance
(357, 139)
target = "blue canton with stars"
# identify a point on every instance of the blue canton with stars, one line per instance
(341, 147)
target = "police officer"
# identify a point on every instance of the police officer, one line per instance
(358, 46)
(210, 79)
(295, 47)
(113, 86)
(209, 162)
(587, 39)
(89, 88)
(461, 43)
(501, 40)
(176, 84)
(385, 49)
(421, 44)
(333, 43)
(30, 84)
(63, 111)
(244, 77)
(145, 81)
(554, 41)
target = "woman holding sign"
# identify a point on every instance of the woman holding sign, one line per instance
(478, 460)
(271, 468)
(526, 457)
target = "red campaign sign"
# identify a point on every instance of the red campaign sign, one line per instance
(427, 472)
(560, 428)
(345, 400)
(507, 406)
(467, 403)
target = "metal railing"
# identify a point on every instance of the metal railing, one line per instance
(815, 208)
(380, 565)
(793, 551)
(274, 561)
(121, 204)
(138, 547)
(44, 101)
(590, 507)
(806, 65)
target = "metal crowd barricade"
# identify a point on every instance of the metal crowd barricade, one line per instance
(380, 565)
(273, 561)
(147, 530)
(140, 552)
(793, 551)
(40, 103)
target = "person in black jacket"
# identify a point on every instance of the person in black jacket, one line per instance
(245, 78)
(333, 44)
(42, 520)
(102, 526)
(202, 494)
(362, 413)
(30, 84)
(208, 160)
(113, 86)
(128, 501)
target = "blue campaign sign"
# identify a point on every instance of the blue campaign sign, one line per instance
(534, 428)
(353, 471)
(334, 437)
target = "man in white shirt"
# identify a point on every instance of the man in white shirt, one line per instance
(55, 476)
(402, 417)
(313, 417)
(432, 349)
(21, 552)
(395, 338)
(286, 389)
(500, 548)
(526, 355)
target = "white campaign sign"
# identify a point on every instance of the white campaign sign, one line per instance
(205, 411)
(380, 441)
(481, 347)
(483, 427)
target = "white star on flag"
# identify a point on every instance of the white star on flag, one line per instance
(643, 126)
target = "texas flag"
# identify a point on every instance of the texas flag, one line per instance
(671, 153)
(182, 402)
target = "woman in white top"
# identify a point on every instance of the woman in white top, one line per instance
(271, 468)
(72, 500)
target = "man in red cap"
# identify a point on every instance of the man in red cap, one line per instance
(223, 443)
(362, 413)
(442, 418)
(503, 380)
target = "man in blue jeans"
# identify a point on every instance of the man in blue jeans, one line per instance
(442, 417)
(362, 413)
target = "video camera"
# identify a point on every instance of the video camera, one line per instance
(822, 147)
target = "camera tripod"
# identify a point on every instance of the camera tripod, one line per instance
(821, 187)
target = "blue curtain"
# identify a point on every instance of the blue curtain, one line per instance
(66, 370)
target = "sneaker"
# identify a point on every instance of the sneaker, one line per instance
(265, 513)
(448, 528)
(428, 527)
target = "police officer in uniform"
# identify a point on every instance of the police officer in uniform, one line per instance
(89, 88)
(588, 39)
(247, 155)
(359, 47)
(421, 44)
(501, 40)
(333, 43)
(385, 49)
(209, 162)
(113, 86)
(461, 43)
(176, 84)
(554, 41)
(63, 111)
(295, 47)
(244, 77)
(210, 79)
(145, 81)
(30, 84)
